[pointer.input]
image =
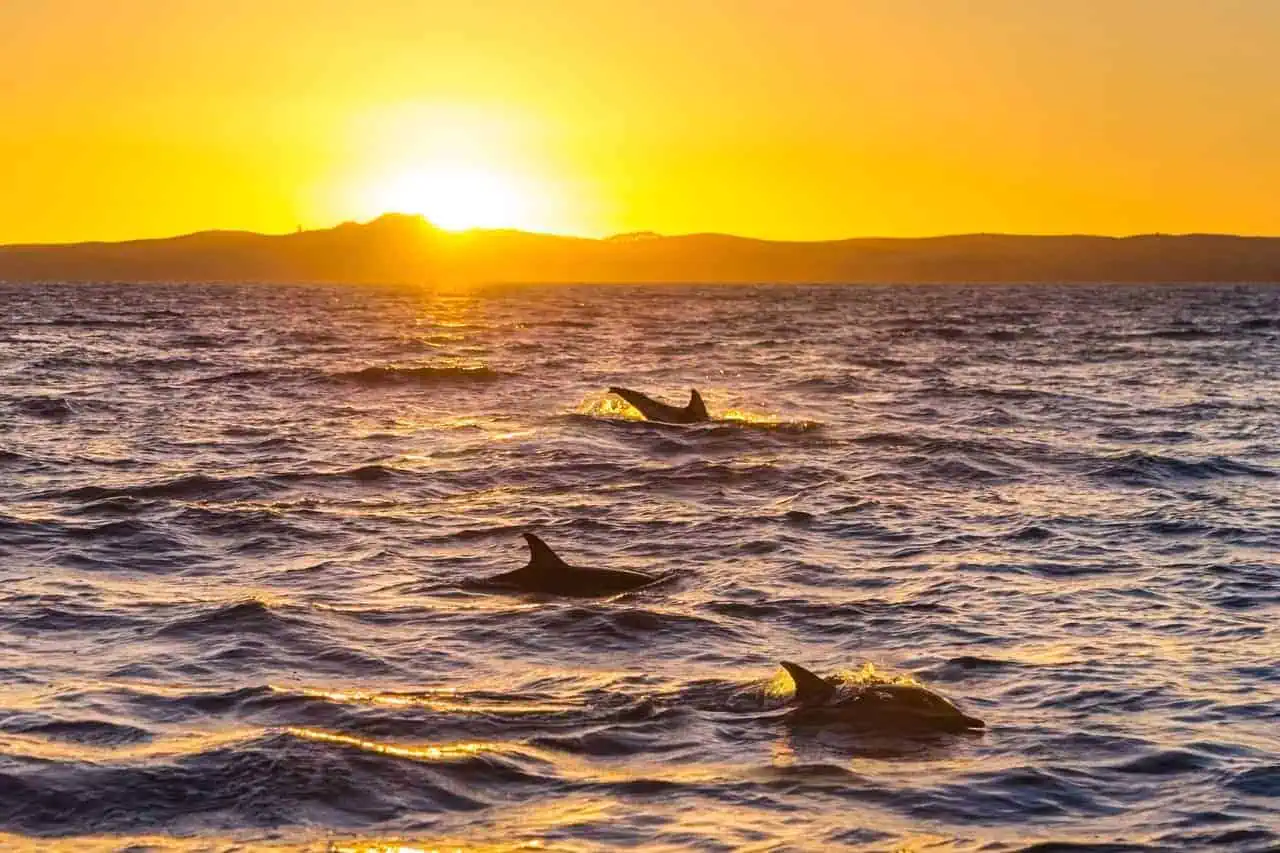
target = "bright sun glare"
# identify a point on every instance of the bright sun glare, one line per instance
(457, 198)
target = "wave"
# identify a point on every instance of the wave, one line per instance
(632, 627)
(927, 330)
(130, 528)
(1190, 334)
(287, 779)
(371, 377)
(246, 375)
(49, 408)
(1091, 847)
(92, 323)
(822, 617)
(160, 364)
(190, 486)
(642, 727)
(136, 498)
(1137, 467)
(59, 618)
(86, 731)
(876, 362)
(373, 472)
(426, 375)
(737, 420)
(1258, 781)
(831, 384)
(203, 341)
(16, 459)
(1170, 762)
(1010, 335)
(245, 617)
(953, 468)
(965, 667)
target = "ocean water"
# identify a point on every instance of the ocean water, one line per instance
(237, 522)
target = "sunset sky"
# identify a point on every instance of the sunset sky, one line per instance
(798, 119)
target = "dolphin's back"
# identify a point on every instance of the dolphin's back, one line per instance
(882, 707)
(547, 573)
(593, 582)
(656, 410)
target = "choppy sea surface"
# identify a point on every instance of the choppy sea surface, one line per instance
(236, 526)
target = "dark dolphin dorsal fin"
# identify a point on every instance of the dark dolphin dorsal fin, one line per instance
(809, 687)
(541, 556)
(696, 406)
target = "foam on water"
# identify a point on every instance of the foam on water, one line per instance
(236, 524)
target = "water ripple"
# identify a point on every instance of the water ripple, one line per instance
(239, 525)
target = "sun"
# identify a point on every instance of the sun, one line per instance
(457, 197)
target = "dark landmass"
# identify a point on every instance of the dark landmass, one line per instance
(406, 249)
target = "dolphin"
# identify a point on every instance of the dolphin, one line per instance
(883, 707)
(694, 413)
(547, 573)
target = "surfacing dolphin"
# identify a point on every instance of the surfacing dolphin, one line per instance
(881, 707)
(547, 573)
(694, 413)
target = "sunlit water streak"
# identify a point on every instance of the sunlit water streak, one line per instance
(236, 521)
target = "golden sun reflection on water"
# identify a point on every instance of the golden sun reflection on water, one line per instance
(781, 686)
(744, 416)
(922, 843)
(431, 699)
(437, 752)
(608, 406)
(446, 699)
(446, 847)
(869, 674)
(170, 746)
(782, 753)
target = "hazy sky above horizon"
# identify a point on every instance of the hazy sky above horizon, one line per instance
(799, 119)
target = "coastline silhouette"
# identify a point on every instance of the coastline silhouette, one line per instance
(404, 249)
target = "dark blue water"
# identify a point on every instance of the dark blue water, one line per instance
(236, 522)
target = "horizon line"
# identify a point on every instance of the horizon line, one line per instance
(638, 234)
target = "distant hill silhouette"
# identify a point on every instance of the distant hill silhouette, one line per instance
(406, 249)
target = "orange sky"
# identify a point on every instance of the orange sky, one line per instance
(777, 118)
